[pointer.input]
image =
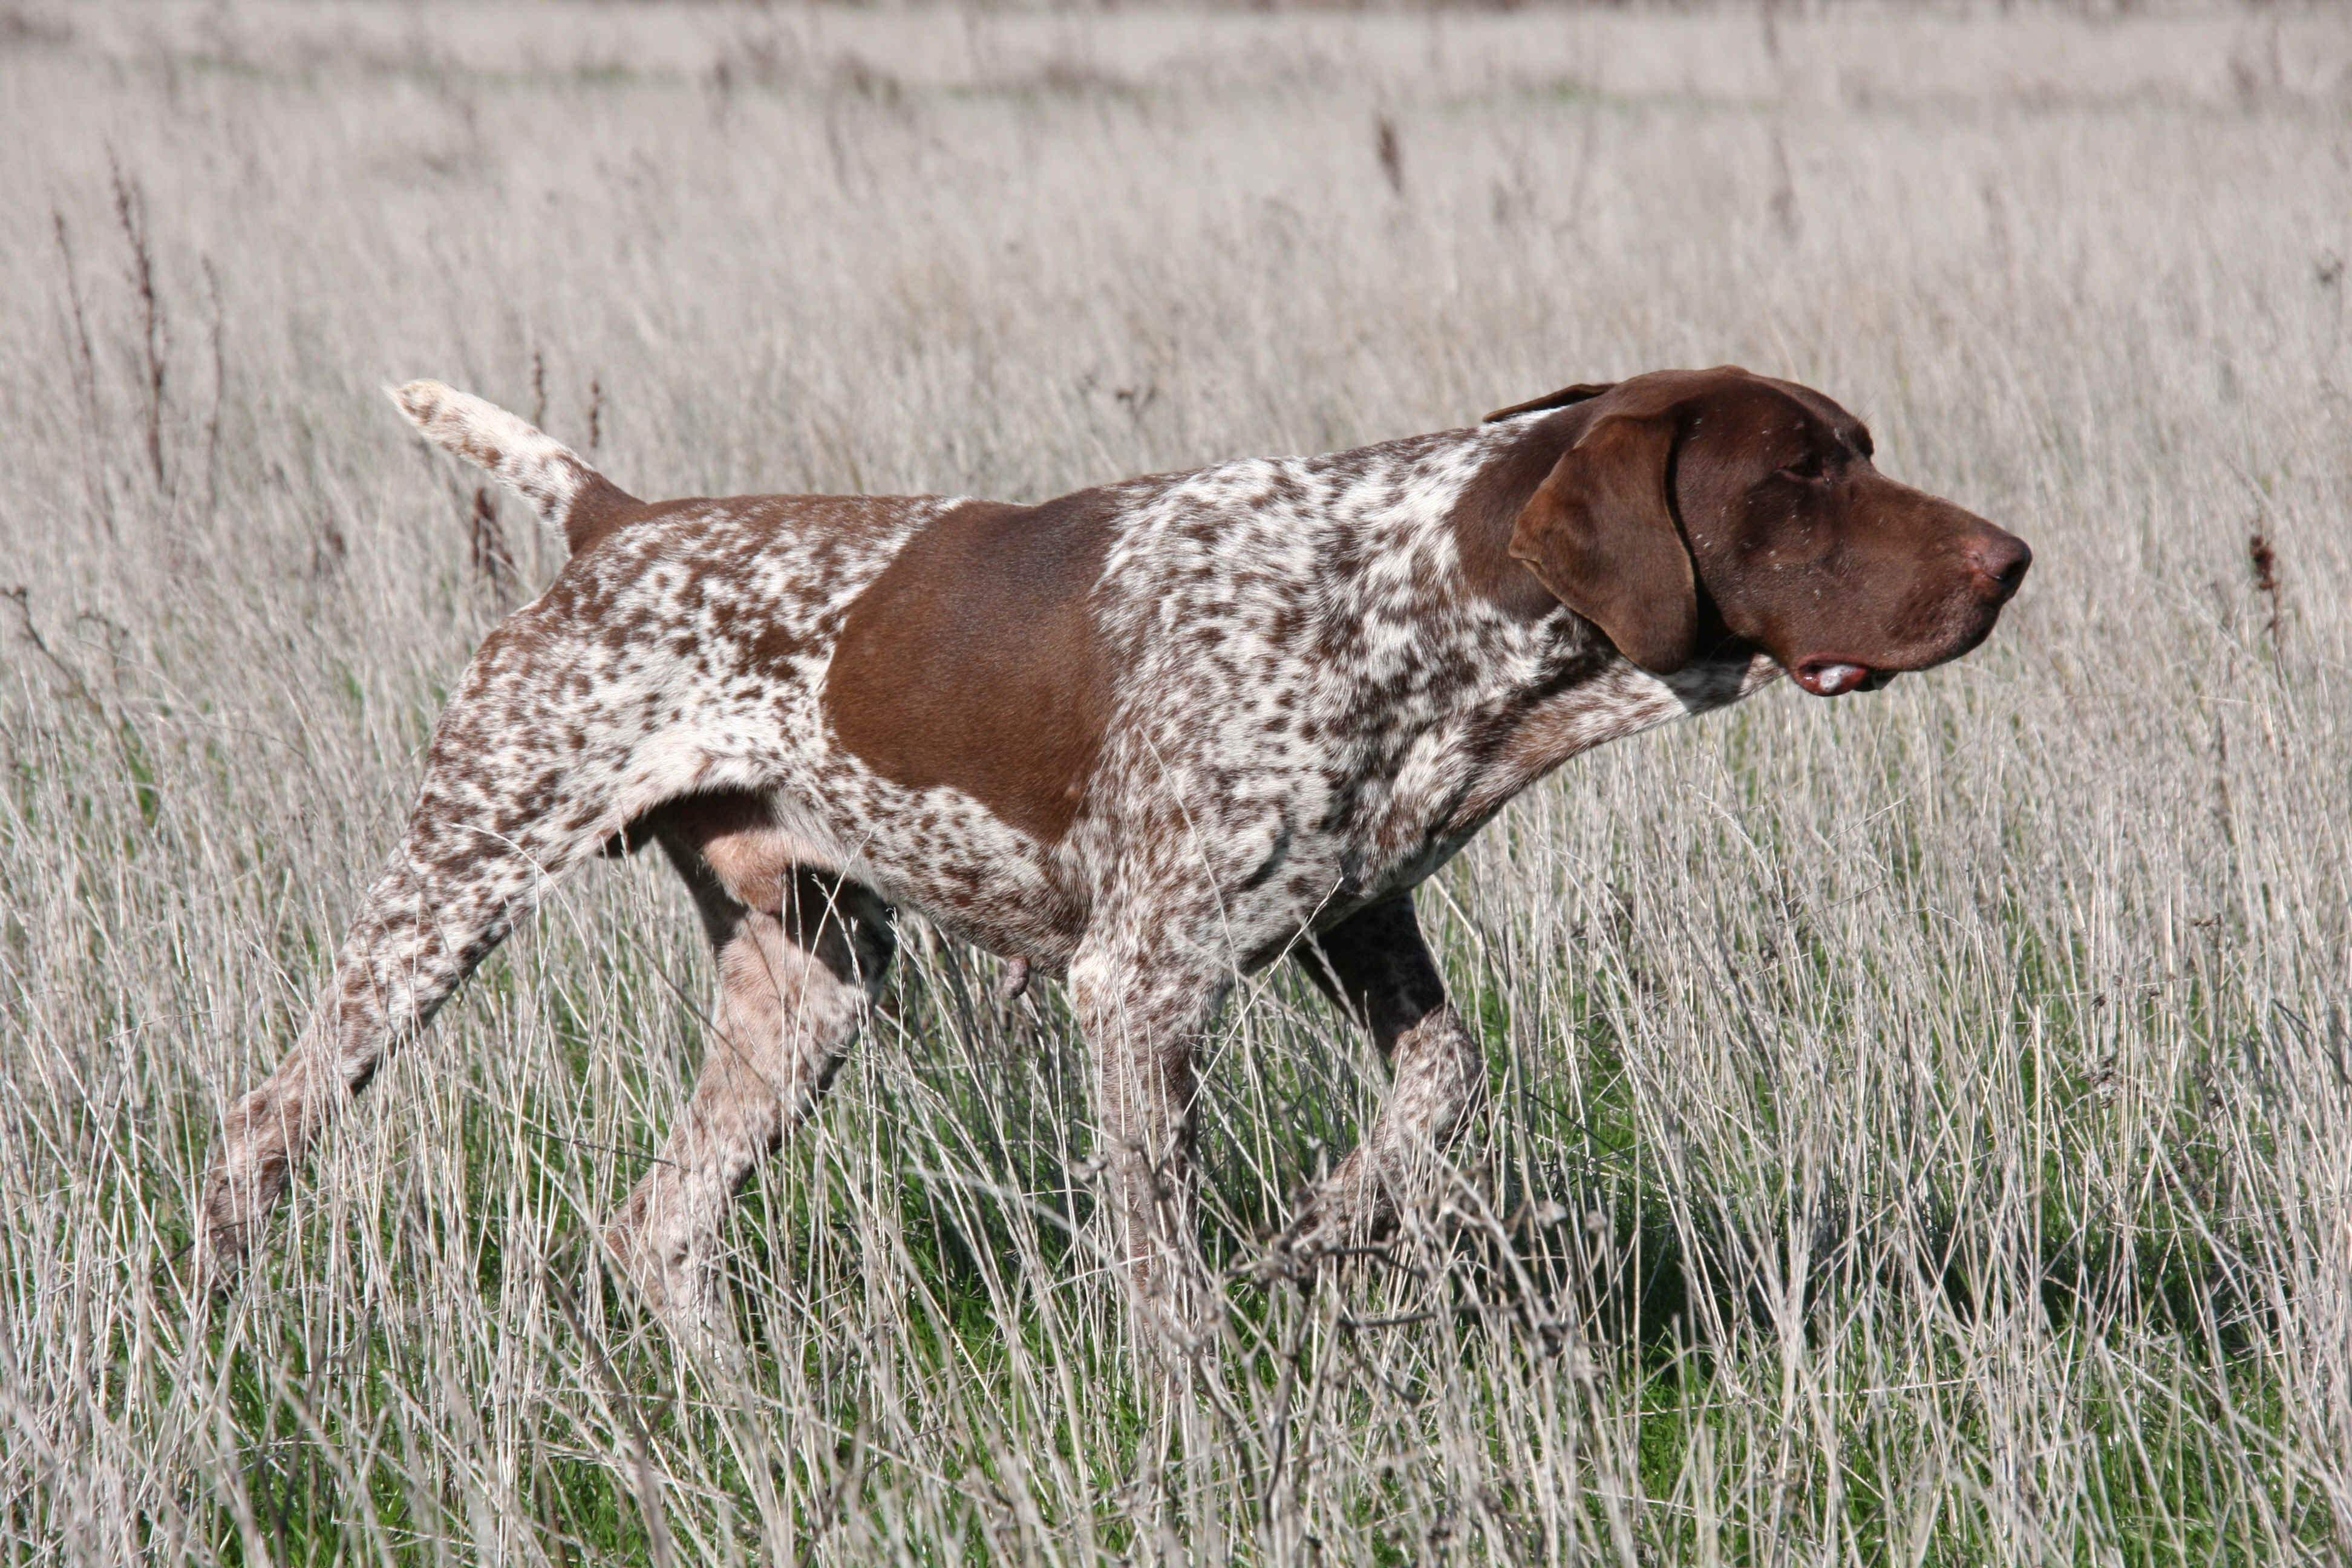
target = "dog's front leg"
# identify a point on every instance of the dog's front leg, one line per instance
(1377, 966)
(1143, 1010)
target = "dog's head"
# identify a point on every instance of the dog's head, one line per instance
(1695, 505)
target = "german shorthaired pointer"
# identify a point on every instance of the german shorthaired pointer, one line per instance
(1149, 737)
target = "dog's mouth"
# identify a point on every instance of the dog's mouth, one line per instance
(1827, 676)
(1835, 674)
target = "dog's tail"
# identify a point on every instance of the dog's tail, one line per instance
(568, 494)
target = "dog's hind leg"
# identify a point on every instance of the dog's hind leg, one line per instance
(513, 797)
(800, 955)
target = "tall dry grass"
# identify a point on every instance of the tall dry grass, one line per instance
(1924, 1123)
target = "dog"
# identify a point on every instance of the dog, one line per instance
(1148, 737)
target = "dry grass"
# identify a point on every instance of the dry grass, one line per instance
(1924, 1123)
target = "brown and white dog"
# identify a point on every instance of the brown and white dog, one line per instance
(1150, 737)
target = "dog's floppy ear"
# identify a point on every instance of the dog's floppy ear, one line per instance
(1561, 399)
(1600, 533)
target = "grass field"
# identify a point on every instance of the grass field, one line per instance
(1924, 1122)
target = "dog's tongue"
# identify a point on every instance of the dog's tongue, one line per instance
(1830, 680)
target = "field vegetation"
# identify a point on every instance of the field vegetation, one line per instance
(1922, 1124)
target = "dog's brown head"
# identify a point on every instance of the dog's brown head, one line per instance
(1693, 505)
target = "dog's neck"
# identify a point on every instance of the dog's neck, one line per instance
(1597, 697)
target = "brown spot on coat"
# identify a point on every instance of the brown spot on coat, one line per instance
(974, 661)
(1565, 397)
(599, 507)
(1489, 507)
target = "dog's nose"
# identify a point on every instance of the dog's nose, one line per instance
(1996, 563)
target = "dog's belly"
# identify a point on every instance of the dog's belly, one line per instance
(941, 855)
(945, 857)
(1254, 880)
(1013, 913)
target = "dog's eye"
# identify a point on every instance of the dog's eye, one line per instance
(1808, 466)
